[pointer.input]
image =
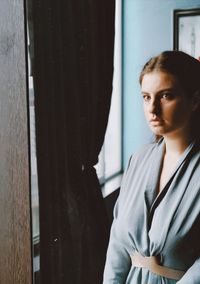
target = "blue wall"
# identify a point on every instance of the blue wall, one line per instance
(147, 30)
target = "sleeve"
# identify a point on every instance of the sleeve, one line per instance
(192, 276)
(118, 260)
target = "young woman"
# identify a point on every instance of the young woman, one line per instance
(156, 229)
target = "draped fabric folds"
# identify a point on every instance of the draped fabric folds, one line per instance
(73, 69)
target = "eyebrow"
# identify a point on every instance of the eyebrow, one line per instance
(161, 91)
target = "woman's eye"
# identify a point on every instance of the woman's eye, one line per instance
(167, 96)
(146, 98)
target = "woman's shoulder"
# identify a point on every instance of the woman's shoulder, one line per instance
(145, 151)
(140, 161)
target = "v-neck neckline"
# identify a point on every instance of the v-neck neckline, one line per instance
(152, 198)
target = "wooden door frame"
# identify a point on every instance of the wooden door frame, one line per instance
(15, 232)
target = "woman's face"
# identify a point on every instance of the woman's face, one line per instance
(166, 107)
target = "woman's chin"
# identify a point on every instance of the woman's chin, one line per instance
(157, 131)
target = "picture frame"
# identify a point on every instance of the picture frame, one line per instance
(187, 31)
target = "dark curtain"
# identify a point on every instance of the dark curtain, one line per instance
(73, 69)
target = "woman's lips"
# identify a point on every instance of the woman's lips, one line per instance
(156, 121)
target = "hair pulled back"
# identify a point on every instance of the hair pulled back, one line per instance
(186, 69)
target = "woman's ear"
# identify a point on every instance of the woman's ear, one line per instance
(196, 100)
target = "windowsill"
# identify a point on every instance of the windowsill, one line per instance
(111, 185)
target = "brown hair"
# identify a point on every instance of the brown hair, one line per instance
(187, 71)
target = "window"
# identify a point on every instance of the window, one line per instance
(34, 177)
(109, 167)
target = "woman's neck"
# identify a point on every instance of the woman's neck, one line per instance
(176, 146)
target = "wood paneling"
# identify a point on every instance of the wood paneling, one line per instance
(15, 243)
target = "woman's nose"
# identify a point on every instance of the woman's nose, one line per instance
(154, 107)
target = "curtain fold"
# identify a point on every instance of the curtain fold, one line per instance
(73, 71)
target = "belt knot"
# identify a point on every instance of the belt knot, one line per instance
(153, 265)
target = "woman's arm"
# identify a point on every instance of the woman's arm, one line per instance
(118, 260)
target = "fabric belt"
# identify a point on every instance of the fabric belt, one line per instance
(152, 264)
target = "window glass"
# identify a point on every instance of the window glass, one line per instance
(110, 162)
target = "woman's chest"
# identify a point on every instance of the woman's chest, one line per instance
(164, 219)
(168, 165)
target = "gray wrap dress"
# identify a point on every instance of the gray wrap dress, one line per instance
(166, 225)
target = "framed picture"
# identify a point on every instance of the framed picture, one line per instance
(187, 31)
